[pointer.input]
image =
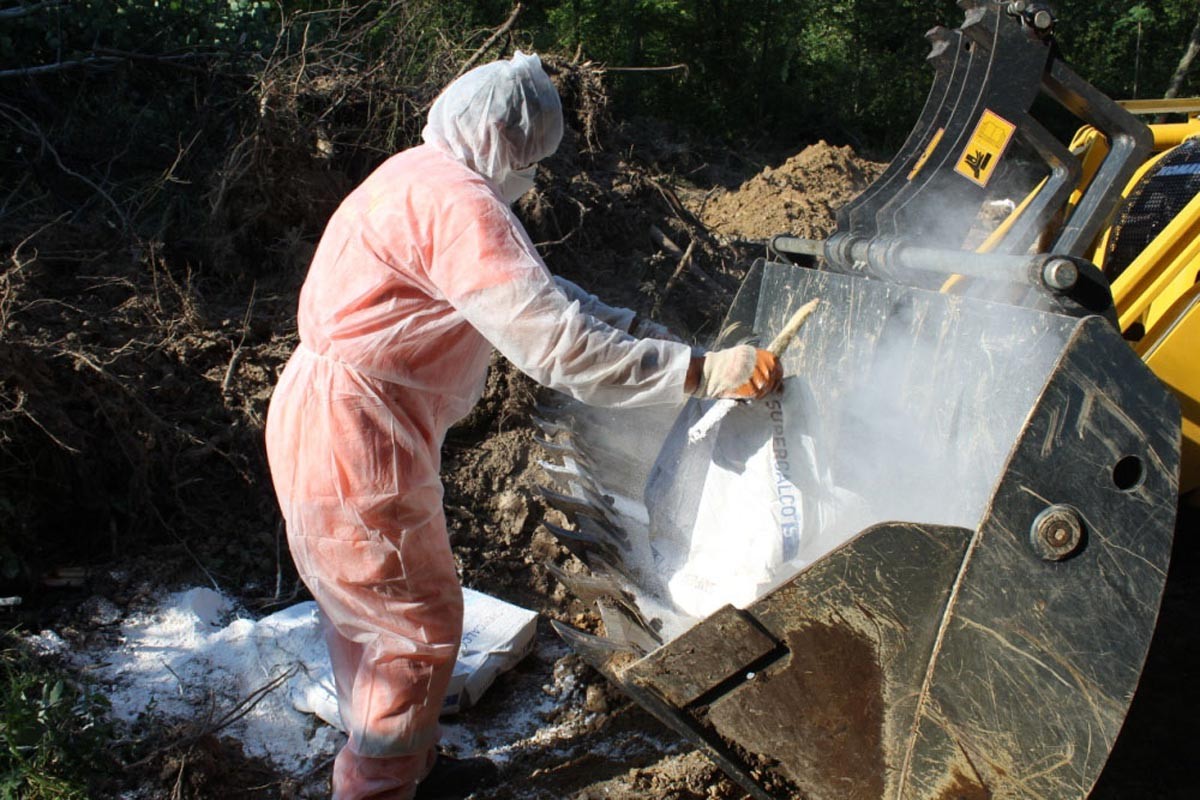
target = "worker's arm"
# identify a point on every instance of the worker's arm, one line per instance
(621, 318)
(553, 341)
(632, 323)
(490, 272)
(487, 268)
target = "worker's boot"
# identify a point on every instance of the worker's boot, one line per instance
(455, 778)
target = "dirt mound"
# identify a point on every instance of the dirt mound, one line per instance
(800, 196)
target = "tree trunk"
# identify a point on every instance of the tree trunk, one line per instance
(1185, 63)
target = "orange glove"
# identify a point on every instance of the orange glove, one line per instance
(740, 373)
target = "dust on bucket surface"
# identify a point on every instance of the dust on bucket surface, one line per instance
(953, 423)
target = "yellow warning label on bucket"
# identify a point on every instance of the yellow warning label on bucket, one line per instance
(982, 155)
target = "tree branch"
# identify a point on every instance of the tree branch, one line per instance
(684, 262)
(107, 56)
(1185, 62)
(503, 29)
(23, 11)
(58, 66)
(33, 130)
(671, 68)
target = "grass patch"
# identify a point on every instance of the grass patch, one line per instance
(54, 735)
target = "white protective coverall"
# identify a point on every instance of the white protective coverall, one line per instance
(422, 270)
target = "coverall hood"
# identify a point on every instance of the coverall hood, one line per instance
(498, 119)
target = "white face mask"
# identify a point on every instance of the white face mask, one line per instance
(518, 182)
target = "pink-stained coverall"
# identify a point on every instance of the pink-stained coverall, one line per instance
(423, 270)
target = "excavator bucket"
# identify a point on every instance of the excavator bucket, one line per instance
(931, 565)
(956, 516)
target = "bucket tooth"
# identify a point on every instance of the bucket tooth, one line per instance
(562, 476)
(591, 507)
(607, 590)
(602, 529)
(589, 588)
(553, 405)
(575, 476)
(620, 564)
(550, 427)
(585, 547)
(569, 416)
(556, 447)
(596, 650)
(569, 503)
(564, 449)
(595, 494)
(600, 556)
(585, 442)
(586, 588)
(622, 626)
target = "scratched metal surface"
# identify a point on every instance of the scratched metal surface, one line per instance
(940, 661)
(922, 662)
(1038, 660)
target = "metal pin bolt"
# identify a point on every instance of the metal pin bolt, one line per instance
(1060, 274)
(1043, 20)
(1058, 536)
(1016, 7)
(1056, 533)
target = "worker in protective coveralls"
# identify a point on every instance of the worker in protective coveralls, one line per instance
(421, 271)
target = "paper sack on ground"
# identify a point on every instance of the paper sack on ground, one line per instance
(496, 635)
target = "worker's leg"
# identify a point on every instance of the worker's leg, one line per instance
(355, 776)
(357, 773)
(393, 613)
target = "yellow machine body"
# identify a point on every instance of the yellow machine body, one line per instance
(1156, 294)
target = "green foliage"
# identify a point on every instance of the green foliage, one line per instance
(118, 83)
(1120, 46)
(763, 68)
(848, 69)
(52, 732)
(786, 69)
(94, 28)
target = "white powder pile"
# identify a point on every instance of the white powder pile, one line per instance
(197, 657)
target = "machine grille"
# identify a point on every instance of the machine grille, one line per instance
(1162, 194)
